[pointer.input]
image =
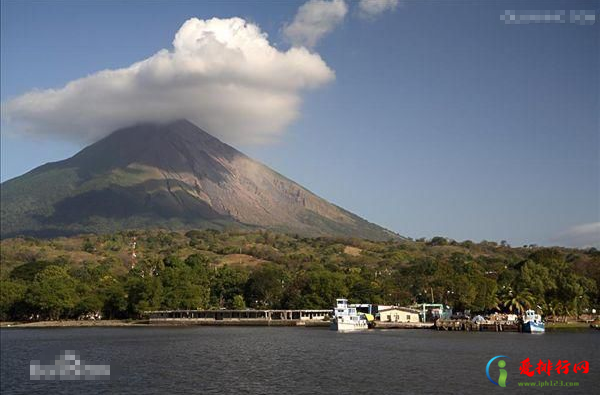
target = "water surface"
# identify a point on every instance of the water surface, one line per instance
(262, 360)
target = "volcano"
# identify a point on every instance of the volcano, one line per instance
(171, 176)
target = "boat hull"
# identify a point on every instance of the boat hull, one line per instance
(534, 327)
(348, 326)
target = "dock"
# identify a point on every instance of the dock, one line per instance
(402, 325)
(309, 318)
(469, 326)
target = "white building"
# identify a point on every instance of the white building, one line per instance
(399, 314)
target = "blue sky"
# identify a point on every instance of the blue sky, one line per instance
(441, 120)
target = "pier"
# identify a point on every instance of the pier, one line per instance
(241, 317)
(402, 325)
(470, 326)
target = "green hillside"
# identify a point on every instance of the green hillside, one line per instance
(67, 277)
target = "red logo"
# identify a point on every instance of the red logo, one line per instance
(561, 367)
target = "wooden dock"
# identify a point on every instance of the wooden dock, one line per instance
(236, 322)
(402, 325)
(469, 326)
(240, 317)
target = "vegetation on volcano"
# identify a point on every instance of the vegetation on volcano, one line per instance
(206, 269)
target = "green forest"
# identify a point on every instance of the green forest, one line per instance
(67, 278)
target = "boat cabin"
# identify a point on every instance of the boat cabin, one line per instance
(343, 309)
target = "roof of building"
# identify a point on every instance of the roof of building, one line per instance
(406, 309)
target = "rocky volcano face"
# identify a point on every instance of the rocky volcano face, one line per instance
(172, 176)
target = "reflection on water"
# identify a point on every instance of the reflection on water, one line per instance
(292, 360)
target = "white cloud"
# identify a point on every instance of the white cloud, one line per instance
(373, 8)
(222, 74)
(583, 235)
(313, 20)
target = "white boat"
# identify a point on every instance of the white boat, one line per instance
(346, 318)
(532, 322)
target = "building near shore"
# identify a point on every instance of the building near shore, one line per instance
(399, 314)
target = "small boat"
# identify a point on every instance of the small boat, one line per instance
(347, 319)
(532, 322)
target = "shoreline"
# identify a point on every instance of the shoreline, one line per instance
(160, 323)
(567, 325)
(74, 324)
(559, 326)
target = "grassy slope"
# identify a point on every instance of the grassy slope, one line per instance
(250, 249)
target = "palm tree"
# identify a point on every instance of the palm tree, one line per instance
(518, 301)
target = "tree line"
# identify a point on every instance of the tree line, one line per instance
(195, 271)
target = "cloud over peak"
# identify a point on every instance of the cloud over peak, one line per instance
(222, 74)
(314, 20)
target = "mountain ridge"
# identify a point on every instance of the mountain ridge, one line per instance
(172, 175)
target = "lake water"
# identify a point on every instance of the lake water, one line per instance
(259, 360)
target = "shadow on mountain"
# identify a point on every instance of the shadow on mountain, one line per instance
(43, 233)
(166, 199)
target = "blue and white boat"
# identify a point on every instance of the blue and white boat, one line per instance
(532, 322)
